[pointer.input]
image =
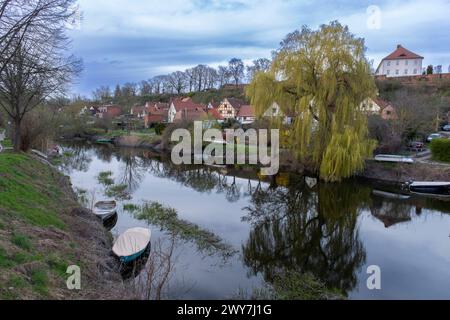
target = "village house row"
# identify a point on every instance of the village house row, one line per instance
(401, 64)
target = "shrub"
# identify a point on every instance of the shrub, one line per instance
(440, 148)
(159, 128)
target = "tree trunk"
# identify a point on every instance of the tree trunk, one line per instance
(17, 135)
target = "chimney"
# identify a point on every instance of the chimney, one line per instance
(399, 46)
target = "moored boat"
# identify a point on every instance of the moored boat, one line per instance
(132, 244)
(393, 158)
(441, 189)
(105, 209)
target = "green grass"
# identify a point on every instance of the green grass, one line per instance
(7, 143)
(21, 241)
(25, 191)
(39, 280)
(5, 261)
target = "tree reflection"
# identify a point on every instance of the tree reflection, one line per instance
(304, 230)
(76, 158)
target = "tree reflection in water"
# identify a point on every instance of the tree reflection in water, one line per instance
(307, 231)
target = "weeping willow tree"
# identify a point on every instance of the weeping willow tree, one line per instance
(322, 78)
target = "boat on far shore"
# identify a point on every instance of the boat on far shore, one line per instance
(430, 188)
(393, 158)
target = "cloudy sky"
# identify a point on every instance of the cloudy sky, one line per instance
(132, 40)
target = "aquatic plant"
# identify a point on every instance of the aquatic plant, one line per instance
(105, 178)
(167, 219)
(118, 192)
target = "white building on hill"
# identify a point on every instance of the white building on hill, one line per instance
(400, 63)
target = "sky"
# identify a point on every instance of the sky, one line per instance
(123, 41)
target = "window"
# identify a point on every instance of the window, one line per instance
(406, 62)
(397, 71)
(398, 62)
(415, 71)
(388, 72)
(388, 63)
(406, 71)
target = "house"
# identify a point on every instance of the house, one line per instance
(185, 109)
(246, 114)
(108, 111)
(156, 113)
(138, 111)
(275, 111)
(215, 114)
(400, 63)
(229, 108)
(380, 107)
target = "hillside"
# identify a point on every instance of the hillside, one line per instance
(43, 231)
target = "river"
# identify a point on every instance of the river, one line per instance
(333, 231)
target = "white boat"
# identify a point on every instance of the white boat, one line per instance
(105, 209)
(132, 244)
(393, 158)
(432, 188)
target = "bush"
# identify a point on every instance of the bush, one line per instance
(159, 128)
(440, 148)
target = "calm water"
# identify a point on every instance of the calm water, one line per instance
(280, 224)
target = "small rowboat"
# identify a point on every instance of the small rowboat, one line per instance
(393, 158)
(440, 189)
(105, 209)
(104, 141)
(132, 244)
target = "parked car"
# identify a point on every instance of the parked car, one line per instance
(433, 136)
(416, 146)
(446, 127)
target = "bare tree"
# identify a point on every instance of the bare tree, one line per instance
(236, 69)
(102, 94)
(35, 66)
(177, 81)
(21, 20)
(146, 88)
(259, 65)
(223, 76)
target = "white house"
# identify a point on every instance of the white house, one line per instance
(400, 63)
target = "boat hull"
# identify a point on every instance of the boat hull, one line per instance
(133, 257)
(442, 191)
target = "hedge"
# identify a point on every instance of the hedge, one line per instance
(440, 148)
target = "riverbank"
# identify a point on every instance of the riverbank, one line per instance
(401, 172)
(43, 230)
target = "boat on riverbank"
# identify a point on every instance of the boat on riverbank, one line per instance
(105, 209)
(132, 244)
(393, 158)
(440, 189)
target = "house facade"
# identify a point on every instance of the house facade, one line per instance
(229, 108)
(246, 114)
(108, 111)
(185, 109)
(400, 63)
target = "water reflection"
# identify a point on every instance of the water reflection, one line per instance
(304, 230)
(292, 224)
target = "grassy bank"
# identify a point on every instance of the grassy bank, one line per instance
(43, 231)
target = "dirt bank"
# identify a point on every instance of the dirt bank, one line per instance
(400, 173)
(43, 230)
